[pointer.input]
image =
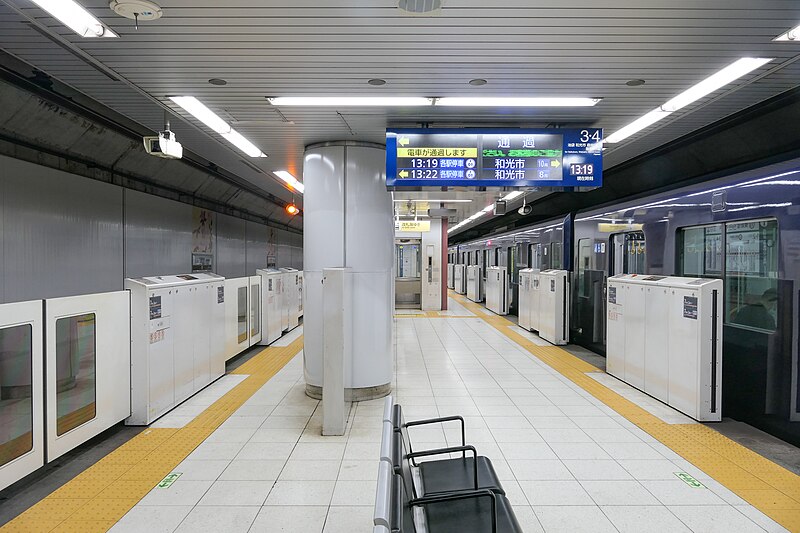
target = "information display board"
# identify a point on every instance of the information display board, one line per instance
(494, 158)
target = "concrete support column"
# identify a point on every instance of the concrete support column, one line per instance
(347, 223)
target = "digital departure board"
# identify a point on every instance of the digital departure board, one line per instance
(494, 158)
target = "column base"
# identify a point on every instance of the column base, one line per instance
(353, 395)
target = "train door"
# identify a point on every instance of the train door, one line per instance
(589, 304)
(627, 254)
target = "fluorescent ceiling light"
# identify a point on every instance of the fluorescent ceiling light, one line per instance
(719, 79)
(293, 182)
(435, 201)
(75, 17)
(488, 208)
(354, 101)
(512, 195)
(791, 35)
(637, 125)
(516, 102)
(199, 111)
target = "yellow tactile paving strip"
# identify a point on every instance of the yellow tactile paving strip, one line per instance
(768, 487)
(97, 498)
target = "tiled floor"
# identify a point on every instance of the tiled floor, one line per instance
(566, 461)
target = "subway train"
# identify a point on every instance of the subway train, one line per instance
(742, 228)
(73, 367)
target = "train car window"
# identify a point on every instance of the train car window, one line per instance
(751, 273)
(634, 259)
(700, 251)
(557, 256)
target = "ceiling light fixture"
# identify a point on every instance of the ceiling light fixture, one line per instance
(376, 82)
(350, 101)
(716, 81)
(791, 35)
(75, 17)
(515, 102)
(512, 195)
(477, 82)
(635, 83)
(292, 209)
(290, 180)
(433, 201)
(217, 81)
(198, 110)
(719, 79)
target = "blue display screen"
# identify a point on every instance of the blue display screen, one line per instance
(554, 158)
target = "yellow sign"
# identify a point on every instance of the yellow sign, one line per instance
(415, 225)
(617, 228)
(437, 152)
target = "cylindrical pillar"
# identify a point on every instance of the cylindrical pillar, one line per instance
(347, 223)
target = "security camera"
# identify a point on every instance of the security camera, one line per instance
(526, 209)
(164, 145)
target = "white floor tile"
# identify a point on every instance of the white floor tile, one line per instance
(311, 470)
(721, 519)
(540, 470)
(653, 519)
(619, 493)
(318, 451)
(596, 469)
(350, 519)
(555, 493)
(193, 470)
(301, 493)
(290, 519)
(256, 470)
(152, 518)
(359, 470)
(354, 493)
(230, 519)
(578, 450)
(570, 519)
(237, 493)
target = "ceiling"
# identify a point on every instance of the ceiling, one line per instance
(585, 48)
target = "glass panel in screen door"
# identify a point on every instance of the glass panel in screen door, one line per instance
(255, 309)
(241, 313)
(751, 273)
(76, 371)
(16, 402)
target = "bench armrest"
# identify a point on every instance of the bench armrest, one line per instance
(440, 420)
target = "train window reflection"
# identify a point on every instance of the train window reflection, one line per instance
(16, 395)
(701, 251)
(76, 373)
(751, 273)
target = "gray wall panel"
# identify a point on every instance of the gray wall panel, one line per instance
(158, 236)
(257, 246)
(229, 252)
(62, 234)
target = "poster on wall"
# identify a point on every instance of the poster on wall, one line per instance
(202, 240)
(271, 248)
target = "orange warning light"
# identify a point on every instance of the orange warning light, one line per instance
(292, 209)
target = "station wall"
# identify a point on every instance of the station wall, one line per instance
(63, 234)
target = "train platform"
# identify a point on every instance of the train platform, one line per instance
(575, 449)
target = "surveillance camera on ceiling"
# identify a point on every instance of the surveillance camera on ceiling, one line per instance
(164, 145)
